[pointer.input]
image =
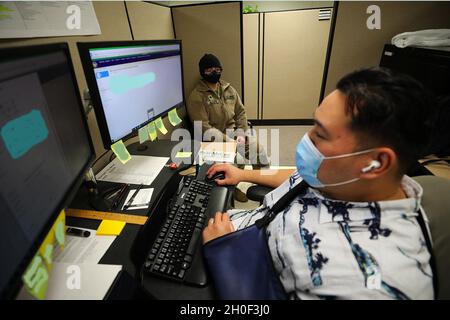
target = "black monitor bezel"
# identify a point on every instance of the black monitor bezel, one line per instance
(83, 50)
(12, 288)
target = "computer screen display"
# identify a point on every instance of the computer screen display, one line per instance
(45, 149)
(132, 83)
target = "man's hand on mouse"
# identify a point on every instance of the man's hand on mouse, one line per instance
(218, 226)
(232, 174)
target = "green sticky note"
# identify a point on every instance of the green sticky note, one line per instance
(121, 151)
(152, 131)
(183, 154)
(60, 229)
(160, 125)
(35, 278)
(174, 119)
(143, 135)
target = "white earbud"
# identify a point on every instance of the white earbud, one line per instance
(374, 164)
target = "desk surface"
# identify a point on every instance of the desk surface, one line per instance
(120, 250)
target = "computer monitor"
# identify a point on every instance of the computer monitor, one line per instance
(131, 83)
(45, 150)
(430, 66)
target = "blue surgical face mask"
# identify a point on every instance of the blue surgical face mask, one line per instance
(308, 160)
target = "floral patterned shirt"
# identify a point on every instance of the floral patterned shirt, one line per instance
(329, 249)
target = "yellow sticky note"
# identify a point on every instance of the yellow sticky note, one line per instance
(143, 135)
(36, 277)
(183, 154)
(46, 247)
(152, 131)
(121, 151)
(160, 125)
(174, 119)
(110, 228)
(60, 229)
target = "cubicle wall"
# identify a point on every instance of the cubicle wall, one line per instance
(290, 49)
(114, 25)
(150, 21)
(295, 46)
(251, 63)
(210, 28)
(355, 46)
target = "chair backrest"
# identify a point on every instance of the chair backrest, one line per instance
(436, 203)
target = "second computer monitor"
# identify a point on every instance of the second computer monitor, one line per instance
(131, 83)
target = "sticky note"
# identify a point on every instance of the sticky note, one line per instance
(160, 125)
(110, 228)
(121, 151)
(152, 131)
(60, 229)
(183, 154)
(46, 248)
(143, 135)
(21, 134)
(174, 119)
(36, 277)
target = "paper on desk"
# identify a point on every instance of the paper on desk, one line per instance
(217, 152)
(142, 197)
(84, 250)
(139, 170)
(94, 281)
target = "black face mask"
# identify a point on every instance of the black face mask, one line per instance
(212, 77)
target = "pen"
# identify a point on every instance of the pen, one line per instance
(132, 197)
(78, 232)
(121, 193)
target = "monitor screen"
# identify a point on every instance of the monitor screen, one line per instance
(430, 67)
(45, 149)
(132, 83)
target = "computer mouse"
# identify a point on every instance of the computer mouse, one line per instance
(220, 175)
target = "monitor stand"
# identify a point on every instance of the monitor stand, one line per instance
(142, 147)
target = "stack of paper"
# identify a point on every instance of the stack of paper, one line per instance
(217, 152)
(138, 170)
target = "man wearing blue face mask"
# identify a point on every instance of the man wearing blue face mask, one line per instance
(353, 234)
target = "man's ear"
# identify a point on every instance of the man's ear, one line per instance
(385, 161)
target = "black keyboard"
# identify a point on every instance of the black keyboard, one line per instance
(175, 253)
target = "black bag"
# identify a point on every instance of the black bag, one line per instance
(241, 260)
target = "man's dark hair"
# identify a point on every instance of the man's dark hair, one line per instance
(389, 109)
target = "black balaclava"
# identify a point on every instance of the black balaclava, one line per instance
(209, 61)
